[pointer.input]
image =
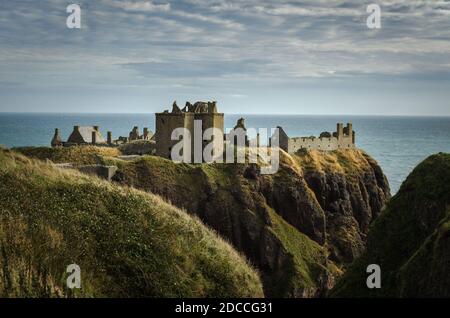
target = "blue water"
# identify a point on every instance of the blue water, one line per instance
(397, 143)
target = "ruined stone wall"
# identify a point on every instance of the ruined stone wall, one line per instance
(166, 123)
(215, 120)
(325, 143)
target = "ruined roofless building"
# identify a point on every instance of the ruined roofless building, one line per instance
(167, 121)
(134, 134)
(90, 135)
(81, 135)
(343, 138)
(86, 135)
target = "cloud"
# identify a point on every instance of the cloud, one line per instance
(227, 23)
(294, 10)
(141, 6)
(238, 96)
(259, 40)
(196, 69)
(10, 84)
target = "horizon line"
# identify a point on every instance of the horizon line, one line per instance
(252, 114)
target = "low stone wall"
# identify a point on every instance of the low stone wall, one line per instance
(101, 171)
(139, 147)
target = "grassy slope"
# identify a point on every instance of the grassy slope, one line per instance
(81, 155)
(410, 240)
(352, 163)
(308, 258)
(186, 183)
(127, 243)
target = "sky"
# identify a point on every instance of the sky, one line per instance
(252, 56)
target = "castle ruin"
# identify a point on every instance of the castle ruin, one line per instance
(342, 138)
(90, 135)
(206, 112)
(167, 122)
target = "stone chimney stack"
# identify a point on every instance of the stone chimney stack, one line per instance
(94, 137)
(76, 128)
(56, 141)
(109, 138)
(145, 133)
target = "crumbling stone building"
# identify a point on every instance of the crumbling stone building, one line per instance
(343, 138)
(82, 135)
(85, 135)
(90, 135)
(134, 134)
(167, 122)
(206, 112)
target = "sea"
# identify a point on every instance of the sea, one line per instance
(397, 143)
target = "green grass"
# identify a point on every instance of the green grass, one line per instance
(237, 207)
(128, 243)
(82, 155)
(309, 262)
(410, 239)
(348, 161)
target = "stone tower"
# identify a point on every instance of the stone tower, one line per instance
(167, 121)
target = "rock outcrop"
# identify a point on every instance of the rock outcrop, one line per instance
(350, 201)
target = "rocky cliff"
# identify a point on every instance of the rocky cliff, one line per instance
(410, 241)
(299, 227)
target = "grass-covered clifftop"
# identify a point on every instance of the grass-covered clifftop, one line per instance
(300, 227)
(128, 243)
(410, 240)
(85, 155)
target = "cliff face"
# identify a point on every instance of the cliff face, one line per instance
(410, 241)
(351, 194)
(298, 226)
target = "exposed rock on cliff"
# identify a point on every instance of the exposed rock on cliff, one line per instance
(297, 226)
(351, 189)
(410, 241)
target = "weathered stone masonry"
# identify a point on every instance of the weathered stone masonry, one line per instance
(343, 138)
(167, 122)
